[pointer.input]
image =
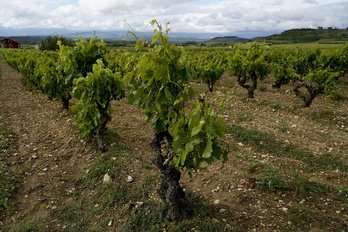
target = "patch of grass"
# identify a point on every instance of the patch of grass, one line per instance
(3, 145)
(68, 213)
(264, 102)
(262, 88)
(4, 134)
(71, 217)
(300, 217)
(277, 106)
(283, 127)
(7, 179)
(267, 142)
(294, 109)
(204, 218)
(244, 115)
(343, 193)
(329, 117)
(256, 166)
(4, 130)
(29, 226)
(274, 179)
(108, 163)
(337, 96)
(321, 114)
(325, 135)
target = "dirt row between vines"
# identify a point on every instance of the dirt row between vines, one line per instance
(49, 156)
(45, 149)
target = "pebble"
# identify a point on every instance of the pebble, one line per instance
(107, 179)
(216, 202)
(222, 210)
(130, 179)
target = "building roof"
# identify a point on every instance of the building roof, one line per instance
(9, 39)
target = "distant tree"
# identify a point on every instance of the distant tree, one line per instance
(51, 43)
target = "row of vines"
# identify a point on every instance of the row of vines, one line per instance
(158, 79)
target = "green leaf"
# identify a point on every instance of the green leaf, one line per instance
(134, 96)
(197, 128)
(191, 93)
(190, 145)
(168, 94)
(183, 157)
(220, 127)
(128, 77)
(208, 150)
(159, 125)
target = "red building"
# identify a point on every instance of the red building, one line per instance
(9, 43)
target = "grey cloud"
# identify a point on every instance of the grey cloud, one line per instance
(310, 1)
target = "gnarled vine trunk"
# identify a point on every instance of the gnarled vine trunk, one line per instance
(278, 83)
(170, 190)
(309, 97)
(105, 118)
(65, 100)
(251, 88)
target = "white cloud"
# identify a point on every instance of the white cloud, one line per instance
(185, 16)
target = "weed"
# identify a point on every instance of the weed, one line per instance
(300, 217)
(264, 103)
(284, 127)
(325, 135)
(28, 226)
(4, 133)
(68, 213)
(262, 88)
(7, 179)
(244, 115)
(317, 114)
(327, 116)
(273, 179)
(152, 218)
(277, 106)
(256, 166)
(343, 193)
(302, 185)
(263, 141)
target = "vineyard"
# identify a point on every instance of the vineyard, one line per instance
(165, 138)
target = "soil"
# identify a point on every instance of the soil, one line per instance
(49, 156)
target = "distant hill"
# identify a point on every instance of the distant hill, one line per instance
(306, 35)
(26, 39)
(226, 40)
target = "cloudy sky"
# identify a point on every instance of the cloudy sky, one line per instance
(217, 16)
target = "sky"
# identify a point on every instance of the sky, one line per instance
(27, 17)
